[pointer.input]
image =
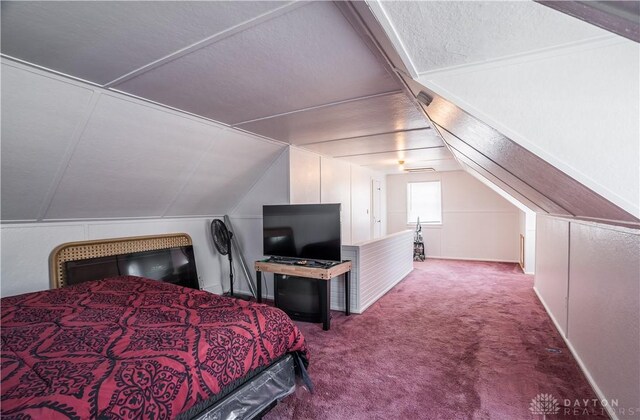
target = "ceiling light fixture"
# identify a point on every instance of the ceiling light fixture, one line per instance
(413, 170)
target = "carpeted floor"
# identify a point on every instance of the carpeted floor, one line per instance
(453, 340)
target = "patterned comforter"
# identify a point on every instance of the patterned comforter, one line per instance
(129, 347)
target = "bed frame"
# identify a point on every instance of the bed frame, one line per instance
(85, 250)
(250, 398)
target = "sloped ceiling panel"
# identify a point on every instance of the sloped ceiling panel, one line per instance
(580, 112)
(539, 181)
(294, 61)
(516, 188)
(231, 166)
(40, 120)
(364, 117)
(568, 109)
(298, 72)
(71, 151)
(453, 34)
(100, 41)
(130, 162)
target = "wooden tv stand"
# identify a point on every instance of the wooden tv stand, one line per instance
(319, 273)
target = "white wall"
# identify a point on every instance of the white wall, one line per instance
(360, 204)
(319, 179)
(26, 248)
(335, 187)
(477, 224)
(246, 218)
(298, 177)
(552, 265)
(588, 278)
(304, 182)
(527, 223)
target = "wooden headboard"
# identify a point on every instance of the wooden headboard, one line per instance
(84, 250)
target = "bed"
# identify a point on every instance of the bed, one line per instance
(127, 346)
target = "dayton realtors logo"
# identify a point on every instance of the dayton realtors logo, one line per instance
(544, 404)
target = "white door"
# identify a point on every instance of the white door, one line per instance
(376, 206)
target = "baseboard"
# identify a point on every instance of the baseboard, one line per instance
(471, 259)
(384, 291)
(577, 358)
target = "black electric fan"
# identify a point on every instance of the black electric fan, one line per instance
(222, 240)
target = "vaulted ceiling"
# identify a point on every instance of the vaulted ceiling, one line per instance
(293, 72)
(176, 108)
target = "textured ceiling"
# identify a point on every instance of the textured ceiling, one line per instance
(444, 34)
(103, 40)
(295, 72)
(303, 73)
(543, 104)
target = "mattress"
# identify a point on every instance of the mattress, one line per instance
(129, 347)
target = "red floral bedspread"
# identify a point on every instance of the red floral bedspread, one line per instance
(129, 347)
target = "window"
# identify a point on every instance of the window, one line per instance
(425, 201)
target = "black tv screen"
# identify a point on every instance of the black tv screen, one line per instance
(303, 231)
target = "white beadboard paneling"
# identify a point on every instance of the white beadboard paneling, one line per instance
(603, 302)
(233, 163)
(25, 255)
(382, 263)
(335, 187)
(310, 56)
(304, 177)
(131, 161)
(362, 117)
(337, 285)
(40, 117)
(100, 41)
(552, 267)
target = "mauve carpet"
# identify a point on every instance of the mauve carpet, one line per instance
(453, 340)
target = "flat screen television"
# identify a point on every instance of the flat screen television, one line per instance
(302, 231)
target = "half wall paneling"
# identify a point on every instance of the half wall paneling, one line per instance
(604, 309)
(588, 279)
(552, 264)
